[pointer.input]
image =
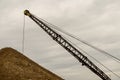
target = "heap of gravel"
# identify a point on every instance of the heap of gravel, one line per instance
(16, 66)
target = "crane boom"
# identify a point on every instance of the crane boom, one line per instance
(69, 47)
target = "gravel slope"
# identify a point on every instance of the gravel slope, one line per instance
(15, 66)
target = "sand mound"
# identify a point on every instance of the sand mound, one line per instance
(15, 66)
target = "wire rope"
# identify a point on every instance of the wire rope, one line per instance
(84, 42)
(23, 35)
(93, 58)
(71, 35)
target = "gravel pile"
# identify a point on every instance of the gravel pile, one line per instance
(16, 66)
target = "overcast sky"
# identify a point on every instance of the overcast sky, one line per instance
(95, 21)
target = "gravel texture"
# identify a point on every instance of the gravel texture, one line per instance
(16, 66)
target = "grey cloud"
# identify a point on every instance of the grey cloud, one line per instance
(94, 21)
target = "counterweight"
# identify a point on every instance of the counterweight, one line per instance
(69, 47)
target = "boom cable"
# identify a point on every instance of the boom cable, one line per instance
(93, 58)
(68, 46)
(23, 39)
(78, 39)
(84, 42)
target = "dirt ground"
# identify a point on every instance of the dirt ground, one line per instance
(15, 66)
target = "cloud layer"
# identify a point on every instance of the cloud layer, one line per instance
(95, 21)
